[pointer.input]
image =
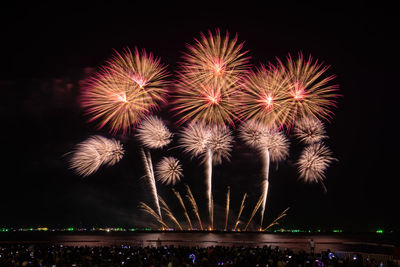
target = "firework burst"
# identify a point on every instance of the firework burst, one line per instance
(169, 171)
(153, 133)
(89, 155)
(310, 93)
(313, 162)
(309, 130)
(214, 57)
(194, 139)
(264, 97)
(125, 90)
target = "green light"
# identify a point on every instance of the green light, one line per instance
(319, 231)
(70, 229)
(132, 229)
(147, 229)
(337, 231)
(379, 231)
(30, 229)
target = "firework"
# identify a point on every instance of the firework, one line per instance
(178, 196)
(265, 97)
(310, 93)
(89, 155)
(214, 57)
(153, 133)
(206, 102)
(313, 162)
(125, 90)
(240, 211)
(256, 207)
(169, 171)
(194, 139)
(146, 157)
(168, 211)
(150, 211)
(227, 207)
(273, 146)
(275, 222)
(194, 205)
(309, 130)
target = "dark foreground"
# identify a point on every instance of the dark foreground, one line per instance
(59, 255)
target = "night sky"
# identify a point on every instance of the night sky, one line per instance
(48, 49)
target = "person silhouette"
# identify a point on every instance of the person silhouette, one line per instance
(312, 246)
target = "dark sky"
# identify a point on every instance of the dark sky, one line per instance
(46, 49)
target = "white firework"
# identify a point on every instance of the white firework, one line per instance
(89, 155)
(194, 139)
(309, 130)
(153, 133)
(220, 143)
(313, 162)
(169, 171)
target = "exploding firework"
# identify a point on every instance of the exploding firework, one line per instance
(313, 162)
(89, 155)
(273, 146)
(169, 171)
(309, 130)
(214, 57)
(310, 93)
(265, 97)
(153, 133)
(125, 90)
(210, 102)
(194, 139)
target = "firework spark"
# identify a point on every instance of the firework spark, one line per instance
(276, 221)
(153, 133)
(169, 171)
(309, 130)
(265, 97)
(125, 90)
(227, 207)
(310, 93)
(194, 205)
(89, 155)
(168, 211)
(150, 211)
(178, 196)
(194, 139)
(240, 211)
(313, 162)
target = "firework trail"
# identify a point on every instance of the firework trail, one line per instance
(89, 155)
(150, 211)
(169, 212)
(169, 171)
(240, 211)
(194, 205)
(125, 90)
(272, 144)
(214, 57)
(313, 162)
(264, 97)
(150, 177)
(227, 207)
(260, 201)
(212, 214)
(275, 222)
(310, 93)
(153, 133)
(178, 196)
(309, 130)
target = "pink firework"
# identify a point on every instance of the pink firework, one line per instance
(311, 93)
(124, 90)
